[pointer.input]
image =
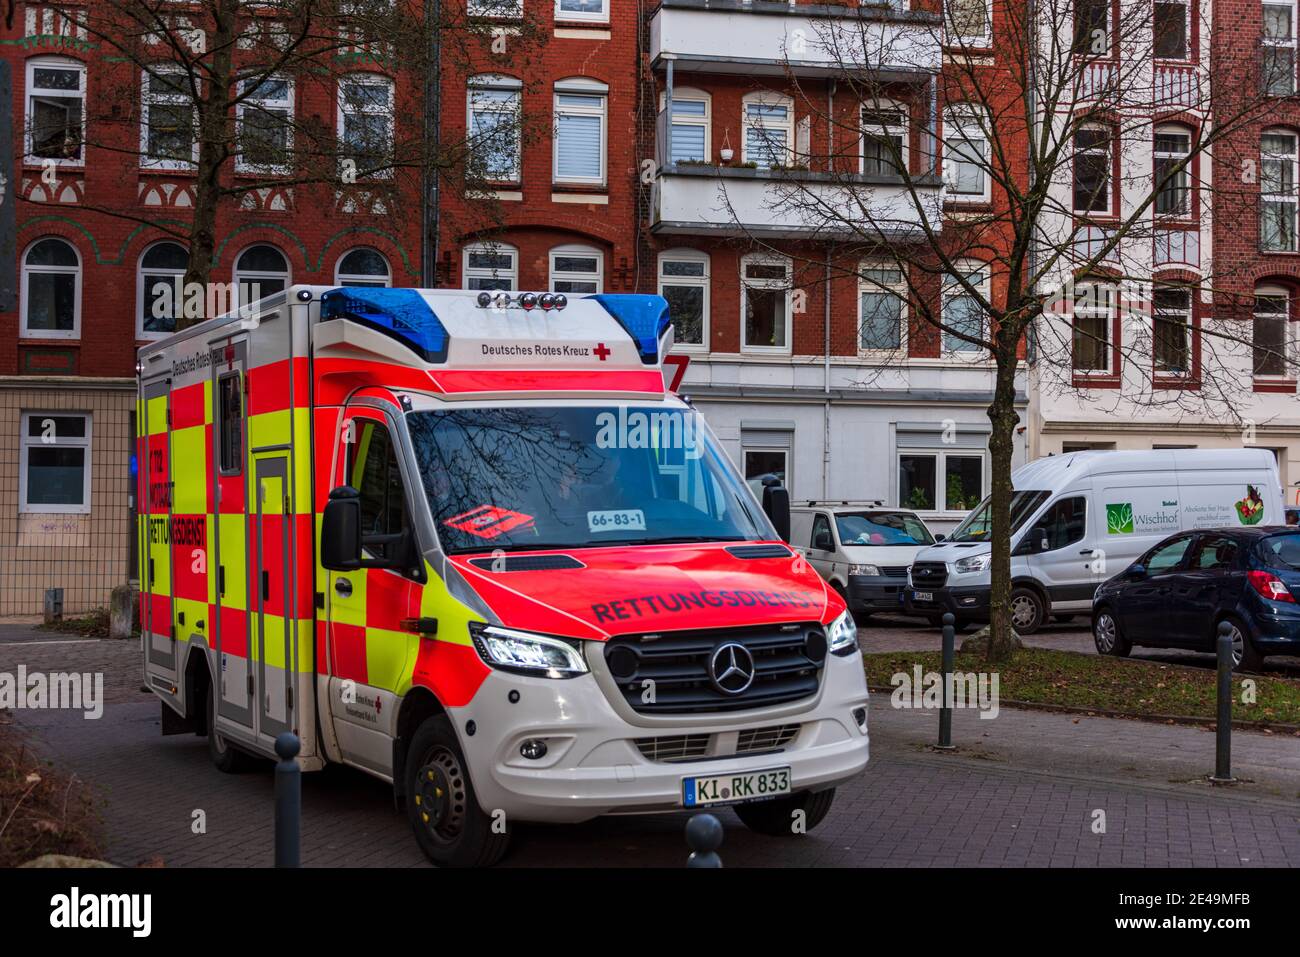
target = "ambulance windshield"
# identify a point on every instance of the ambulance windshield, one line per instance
(524, 478)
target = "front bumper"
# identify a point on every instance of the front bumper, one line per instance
(593, 766)
(970, 602)
(869, 593)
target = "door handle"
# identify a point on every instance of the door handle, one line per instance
(1087, 551)
(343, 586)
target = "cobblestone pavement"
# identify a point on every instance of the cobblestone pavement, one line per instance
(1024, 789)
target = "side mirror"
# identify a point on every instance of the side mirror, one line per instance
(1137, 571)
(340, 534)
(1039, 537)
(941, 538)
(776, 505)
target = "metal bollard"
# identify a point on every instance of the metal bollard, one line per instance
(945, 711)
(288, 801)
(1223, 723)
(704, 837)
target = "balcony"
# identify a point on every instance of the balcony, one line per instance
(771, 38)
(791, 204)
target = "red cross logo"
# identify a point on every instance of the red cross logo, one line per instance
(601, 352)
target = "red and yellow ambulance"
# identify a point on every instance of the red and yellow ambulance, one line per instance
(471, 544)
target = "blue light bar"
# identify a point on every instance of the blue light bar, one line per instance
(644, 318)
(402, 314)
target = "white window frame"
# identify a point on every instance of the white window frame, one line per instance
(495, 9)
(974, 41)
(140, 291)
(1185, 183)
(388, 112)
(899, 289)
(469, 272)
(1289, 345)
(787, 284)
(1187, 32)
(555, 275)
(602, 16)
(940, 457)
(1088, 304)
(951, 290)
(761, 123)
(581, 86)
(58, 63)
(1108, 149)
(690, 95)
(1283, 43)
(148, 100)
(252, 275)
(266, 104)
(341, 278)
(963, 123)
(1281, 199)
(891, 128)
(694, 256)
(1189, 330)
(27, 442)
(75, 271)
(498, 83)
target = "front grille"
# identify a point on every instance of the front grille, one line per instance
(929, 574)
(766, 739)
(894, 571)
(677, 747)
(758, 551)
(669, 673)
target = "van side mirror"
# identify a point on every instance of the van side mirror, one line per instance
(1039, 537)
(823, 542)
(776, 505)
(340, 534)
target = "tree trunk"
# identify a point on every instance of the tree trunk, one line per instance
(1002, 415)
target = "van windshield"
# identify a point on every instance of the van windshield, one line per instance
(978, 526)
(882, 528)
(521, 478)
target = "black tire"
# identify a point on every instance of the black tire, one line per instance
(776, 818)
(1244, 655)
(226, 757)
(449, 825)
(1063, 619)
(1107, 634)
(1027, 611)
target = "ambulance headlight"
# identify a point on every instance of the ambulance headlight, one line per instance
(526, 653)
(842, 635)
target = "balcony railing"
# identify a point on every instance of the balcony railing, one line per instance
(1177, 87)
(768, 38)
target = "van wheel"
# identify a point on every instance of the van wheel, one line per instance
(1244, 655)
(777, 818)
(449, 825)
(1027, 611)
(227, 758)
(1106, 635)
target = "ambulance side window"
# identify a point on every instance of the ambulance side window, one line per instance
(230, 419)
(373, 471)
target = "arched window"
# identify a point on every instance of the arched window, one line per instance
(579, 269)
(1271, 349)
(684, 282)
(56, 110)
(366, 123)
(1173, 145)
(769, 129)
(493, 123)
(491, 266)
(691, 125)
(884, 137)
(159, 289)
(766, 284)
(1279, 187)
(966, 153)
(260, 271)
(363, 266)
(51, 291)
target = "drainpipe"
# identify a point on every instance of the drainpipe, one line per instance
(668, 117)
(432, 139)
(826, 311)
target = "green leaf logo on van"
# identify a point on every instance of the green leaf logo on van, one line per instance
(1119, 519)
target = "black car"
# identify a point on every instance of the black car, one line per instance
(1176, 595)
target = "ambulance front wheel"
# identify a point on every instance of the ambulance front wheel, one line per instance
(227, 758)
(783, 817)
(449, 825)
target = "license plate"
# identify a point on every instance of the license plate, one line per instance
(735, 788)
(922, 596)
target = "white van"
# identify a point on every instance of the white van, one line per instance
(1078, 518)
(862, 549)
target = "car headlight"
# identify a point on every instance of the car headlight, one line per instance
(976, 563)
(842, 635)
(872, 570)
(525, 653)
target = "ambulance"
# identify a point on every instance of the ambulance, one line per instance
(474, 544)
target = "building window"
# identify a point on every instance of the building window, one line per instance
(1172, 328)
(684, 282)
(963, 313)
(1279, 45)
(51, 291)
(1269, 341)
(577, 269)
(765, 303)
(591, 10)
(769, 129)
(965, 155)
(493, 124)
(1092, 162)
(264, 125)
(56, 118)
(491, 266)
(367, 124)
(691, 133)
(882, 309)
(580, 107)
(884, 138)
(260, 271)
(1171, 30)
(363, 266)
(160, 288)
(54, 463)
(765, 463)
(504, 9)
(1278, 188)
(1092, 27)
(169, 135)
(1172, 146)
(940, 481)
(1094, 315)
(970, 22)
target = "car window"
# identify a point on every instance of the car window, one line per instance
(1281, 551)
(1216, 552)
(821, 534)
(1065, 522)
(882, 528)
(1166, 557)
